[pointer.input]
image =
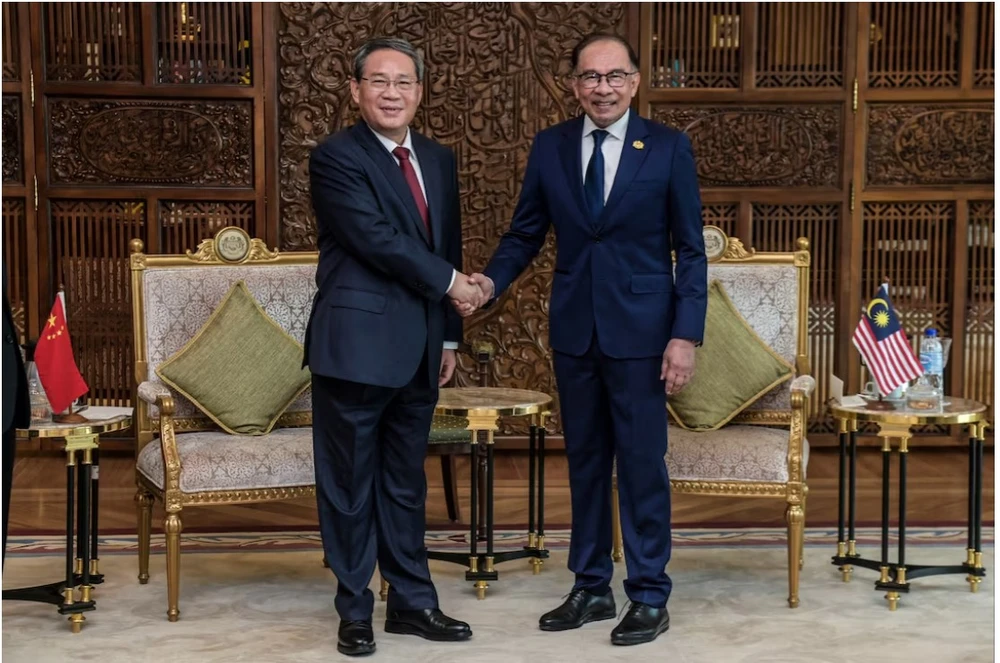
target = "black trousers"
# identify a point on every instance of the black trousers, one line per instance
(369, 446)
(8, 480)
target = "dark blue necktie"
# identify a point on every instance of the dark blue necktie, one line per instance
(593, 182)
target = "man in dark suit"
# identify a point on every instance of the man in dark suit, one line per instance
(16, 407)
(622, 194)
(381, 340)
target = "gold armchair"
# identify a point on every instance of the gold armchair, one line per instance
(763, 452)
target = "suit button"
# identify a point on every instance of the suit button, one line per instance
(597, 239)
(9, 339)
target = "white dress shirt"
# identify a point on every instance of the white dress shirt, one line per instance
(389, 144)
(611, 148)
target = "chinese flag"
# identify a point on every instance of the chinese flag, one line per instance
(57, 369)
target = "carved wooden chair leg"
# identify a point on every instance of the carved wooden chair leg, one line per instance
(172, 526)
(448, 474)
(618, 547)
(805, 513)
(795, 518)
(144, 508)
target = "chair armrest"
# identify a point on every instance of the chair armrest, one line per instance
(805, 384)
(152, 392)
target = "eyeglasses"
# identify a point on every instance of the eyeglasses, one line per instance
(403, 84)
(592, 79)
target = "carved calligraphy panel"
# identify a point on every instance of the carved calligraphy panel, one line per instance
(760, 145)
(496, 75)
(207, 143)
(930, 144)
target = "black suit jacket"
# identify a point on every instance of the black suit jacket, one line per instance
(382, 279)
(16, 407)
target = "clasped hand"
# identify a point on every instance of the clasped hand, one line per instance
(469, 293)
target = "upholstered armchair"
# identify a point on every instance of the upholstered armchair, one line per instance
(740, 431)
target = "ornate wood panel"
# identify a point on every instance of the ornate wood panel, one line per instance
(980, 357)
(696, 45)
(777, 228)
(13, 150)
(930, 144)
(203, 42)
(985, 48)
(760, 145)
(914, 44)
(11, 47)
(496, 76)
(183, 223)
(800, 45)
(207, 143)
(93, 41)
(90, 245)
(723, 215)
(15, 258)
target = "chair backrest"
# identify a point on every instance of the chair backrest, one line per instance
(771, 291)
(174, 295)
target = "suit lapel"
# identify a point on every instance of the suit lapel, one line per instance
(387, 164)
(569, 154)
(629, 165)
(430, 168)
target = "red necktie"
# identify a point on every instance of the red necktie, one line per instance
(410, 176)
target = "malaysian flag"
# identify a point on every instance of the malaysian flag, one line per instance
(883, 345)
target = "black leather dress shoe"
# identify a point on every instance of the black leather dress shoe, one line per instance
(581, 607)
(642, 623)
(430, 623)
(355, 638)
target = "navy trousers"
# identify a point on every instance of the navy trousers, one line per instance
(616, 408)
(369, 446)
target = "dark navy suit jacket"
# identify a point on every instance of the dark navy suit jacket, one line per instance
(382, 280)
(613, 273)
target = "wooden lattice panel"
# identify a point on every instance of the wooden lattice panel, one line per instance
(12, 131)
(15, 258)
(724, 215)
(92, 41)
(914, 44)
(203, 42)
(183, 223)
(98, 141)
(985, 47)
(746, 146)
(777, 228)
(979, 313)
(696, 45)
(930, 144)
(911, 243)
(11, 46)
(89, 254)
(800, 45)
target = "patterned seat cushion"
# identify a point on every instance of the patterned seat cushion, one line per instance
(446, 429)
(216, 460)
(731, 453)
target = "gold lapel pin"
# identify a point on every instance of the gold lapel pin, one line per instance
(638, 145)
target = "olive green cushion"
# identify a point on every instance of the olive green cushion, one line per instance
(446, 429)
(733, 368)
(241, 368)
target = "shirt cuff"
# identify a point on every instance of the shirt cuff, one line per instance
(450, 345)
(454, 275)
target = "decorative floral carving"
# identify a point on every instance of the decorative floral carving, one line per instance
(207, 143)
(496, 75)
(11, 129)
(930, 144)
(761, 146)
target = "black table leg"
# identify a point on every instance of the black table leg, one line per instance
(884, 565)
(532, 432)
(841, 504)
(537, 561)
(96, 577)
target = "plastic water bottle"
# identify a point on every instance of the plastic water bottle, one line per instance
(932, 359)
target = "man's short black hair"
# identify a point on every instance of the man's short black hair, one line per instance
(602, 36)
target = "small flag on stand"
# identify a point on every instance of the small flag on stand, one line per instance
(883, 345)
(57, 368)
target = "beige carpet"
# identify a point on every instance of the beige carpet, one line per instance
(728, 605)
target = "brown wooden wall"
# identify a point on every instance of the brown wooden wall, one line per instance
(867, 128)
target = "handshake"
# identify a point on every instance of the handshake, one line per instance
(469, 293)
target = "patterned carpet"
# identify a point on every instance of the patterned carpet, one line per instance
(266, 597)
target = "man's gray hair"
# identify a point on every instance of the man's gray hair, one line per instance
(391, 43)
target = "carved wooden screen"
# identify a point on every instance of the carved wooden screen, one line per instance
(496, 77)
(149, 122)
(867, 129)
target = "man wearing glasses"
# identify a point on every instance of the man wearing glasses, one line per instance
(381, 341)
(621, 192)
